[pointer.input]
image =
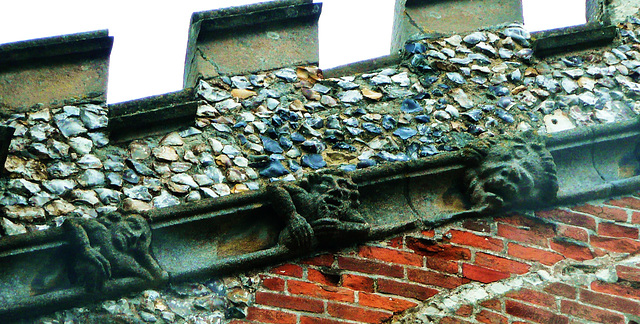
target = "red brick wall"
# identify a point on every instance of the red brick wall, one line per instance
(592, 243)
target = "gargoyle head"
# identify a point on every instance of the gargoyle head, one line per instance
(334, 186)
(511, 170)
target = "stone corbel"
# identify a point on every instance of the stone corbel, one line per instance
(320, 211)
(110, 247)
(510, 171)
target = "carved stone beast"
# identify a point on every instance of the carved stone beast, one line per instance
(320, 210)
(111, 247)
(510, 170)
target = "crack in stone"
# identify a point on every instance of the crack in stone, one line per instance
(208, 60)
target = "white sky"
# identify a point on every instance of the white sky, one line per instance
(150, 38)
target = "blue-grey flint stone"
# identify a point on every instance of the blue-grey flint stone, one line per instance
(140, 168)
(351, 96)
(415, 48)
(474, 38)
(456, 77)
(70, 127)
(94, 117)
(505, 116)
(388, 122)
(92, 178)
(138, 192)
(287, 74)
(410, 106)
(405, 132)
(314, 161)
(271, 146)
(372, 128)
(274, 169)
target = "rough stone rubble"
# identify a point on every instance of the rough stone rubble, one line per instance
(275, 126)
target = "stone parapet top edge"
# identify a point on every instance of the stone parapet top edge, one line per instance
(363, 66)
(139, 105)
(80, 43)
(584, 135)
(215, 16)
(410, 3)
(567, 39)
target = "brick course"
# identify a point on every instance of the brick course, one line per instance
(379, 280)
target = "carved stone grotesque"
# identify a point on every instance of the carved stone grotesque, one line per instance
(320, 210)
(111, 247)
(509, 171)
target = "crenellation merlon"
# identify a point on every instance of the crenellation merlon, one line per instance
(54, 70)
(259, 37)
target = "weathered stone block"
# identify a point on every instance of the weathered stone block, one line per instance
(54, 71)
(252, 38)
(418, 17)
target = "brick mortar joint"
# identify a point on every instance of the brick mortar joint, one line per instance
(584, 273)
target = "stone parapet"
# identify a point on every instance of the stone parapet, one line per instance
(54, 71)
(419, 17)
(257, 37)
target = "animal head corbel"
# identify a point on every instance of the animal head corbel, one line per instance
(510, 171)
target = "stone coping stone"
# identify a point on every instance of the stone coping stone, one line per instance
(97, 41)
(572, 38)
(142, 116)
(243, 16)
(362, 66)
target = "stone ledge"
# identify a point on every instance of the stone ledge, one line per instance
(251, 15)
(362, 66)
(233, 40)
